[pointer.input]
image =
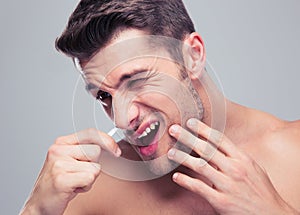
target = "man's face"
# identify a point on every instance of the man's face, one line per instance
(144, 95)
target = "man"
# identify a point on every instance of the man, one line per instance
(167, 104)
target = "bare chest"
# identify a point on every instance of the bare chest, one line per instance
(156, 201)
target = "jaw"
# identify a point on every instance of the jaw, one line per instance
(159, 163)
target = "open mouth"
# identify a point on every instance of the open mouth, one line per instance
(148, 135)
(147, 142)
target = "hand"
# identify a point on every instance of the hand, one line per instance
(237, 184)
(71, 167)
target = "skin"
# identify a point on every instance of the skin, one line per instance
(255, 169)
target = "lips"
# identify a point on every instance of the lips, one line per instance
(150, 149)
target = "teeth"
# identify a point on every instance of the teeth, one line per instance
(148, 130)
(152, 126)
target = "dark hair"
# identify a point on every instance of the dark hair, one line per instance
(94, 22)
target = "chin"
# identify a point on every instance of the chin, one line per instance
(161, 166)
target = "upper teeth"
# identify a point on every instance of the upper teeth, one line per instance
(148, 129)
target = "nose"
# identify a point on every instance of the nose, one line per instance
(125, 112)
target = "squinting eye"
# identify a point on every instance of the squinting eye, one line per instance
(132, 83)
(103, 97)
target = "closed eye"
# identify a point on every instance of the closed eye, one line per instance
(141, 80)
(133, 83)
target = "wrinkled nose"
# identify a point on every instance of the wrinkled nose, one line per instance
(125, 112)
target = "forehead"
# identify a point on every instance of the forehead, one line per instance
(131, 53)
(129, 45)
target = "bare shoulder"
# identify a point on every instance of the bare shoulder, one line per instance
(291, 130)
(285, 140)
(280, 156)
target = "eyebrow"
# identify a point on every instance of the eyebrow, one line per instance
(91, 86)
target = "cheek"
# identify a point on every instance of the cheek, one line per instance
(162, 103)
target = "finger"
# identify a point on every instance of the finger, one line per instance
(204, 149)
(91, 136)
(198, 165)
(86, 152)
(214, 136)
(78, 166)
(73, 181)
(196, 186)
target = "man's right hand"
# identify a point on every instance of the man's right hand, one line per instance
(71, 167)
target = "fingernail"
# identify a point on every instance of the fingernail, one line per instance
(174, 129)
(192, 122)
(118, 152)
(171, 153)
(175, 176)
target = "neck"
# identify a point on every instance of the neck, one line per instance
(238, 119)
(226, 116)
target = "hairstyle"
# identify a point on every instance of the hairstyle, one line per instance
(95, 22)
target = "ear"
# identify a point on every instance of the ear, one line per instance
(195, 55)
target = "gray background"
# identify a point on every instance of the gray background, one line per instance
(252, 45)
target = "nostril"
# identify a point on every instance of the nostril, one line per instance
(134, 124)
